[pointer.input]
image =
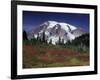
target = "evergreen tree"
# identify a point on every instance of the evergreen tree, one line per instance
(33, 36)
(43, 38)
(62, 41)
(50, 41)
(82, 40)
(59, 42)
(68, 42)
(38, 36)
(24, 35)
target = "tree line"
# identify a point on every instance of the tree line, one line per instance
(82, 40)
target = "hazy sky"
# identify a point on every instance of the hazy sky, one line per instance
(33, 19)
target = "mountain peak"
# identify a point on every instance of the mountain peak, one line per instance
(63, 25)
(55, 30)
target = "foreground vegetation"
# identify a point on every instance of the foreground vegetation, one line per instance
(38, 54)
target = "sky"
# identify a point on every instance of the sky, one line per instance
(32, 19)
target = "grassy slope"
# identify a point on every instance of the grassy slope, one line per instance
(43, 55)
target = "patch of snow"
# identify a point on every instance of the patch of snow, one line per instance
(64, 26)
(41, 32)
(52, 24)
(72, 27)
(56, 27)
(65, 41)
(47, 33)
(35, 36)
(54, 39)
(70, 36)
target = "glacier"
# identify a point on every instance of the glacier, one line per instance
(55, 30)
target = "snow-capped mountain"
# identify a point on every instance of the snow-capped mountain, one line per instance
(54, 30)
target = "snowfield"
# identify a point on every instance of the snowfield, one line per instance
(55, 30)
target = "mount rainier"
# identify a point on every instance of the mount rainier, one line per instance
(54, 30)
